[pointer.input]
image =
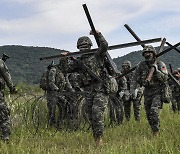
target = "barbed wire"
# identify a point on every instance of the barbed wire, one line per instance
(29, 112)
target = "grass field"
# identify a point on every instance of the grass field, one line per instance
(129, 138)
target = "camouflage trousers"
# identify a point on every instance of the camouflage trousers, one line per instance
(175, 103)
(95, 105)
(136, 108)
(116, 112)
(152, 104)
(4, 116)
(53, 101)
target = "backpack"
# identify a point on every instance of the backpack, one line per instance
(44, 80)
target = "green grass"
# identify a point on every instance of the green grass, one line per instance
(129, 138)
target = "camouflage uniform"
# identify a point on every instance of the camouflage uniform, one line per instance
(5, 78)
(116, 106)
(175, 91)
(96, 98)
(129, 97)
(154, 88)
(56, 84)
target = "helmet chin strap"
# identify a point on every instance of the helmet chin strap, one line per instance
(84, 47)
(150, 60)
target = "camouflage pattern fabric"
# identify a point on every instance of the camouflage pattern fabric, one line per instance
(116, 104)
(56, 83)
(96, 103)
(5, 78)
(129, 100)
(77, 97)
(152, 104)
(4, 116)
(152, 92)
(96, 99)
(175, 98)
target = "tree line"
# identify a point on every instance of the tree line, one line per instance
(25, 66)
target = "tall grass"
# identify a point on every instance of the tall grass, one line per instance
(128, 138)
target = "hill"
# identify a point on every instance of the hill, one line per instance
(25, 65)
(172, 57)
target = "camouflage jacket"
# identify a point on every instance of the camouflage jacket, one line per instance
(130, 81)
(174, 89)
(122, 84)
(56, 79)
(95, 62)
(5, 77)
(158, 79)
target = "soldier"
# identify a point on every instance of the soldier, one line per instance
(55, 85)
(116, 105)
(175, 91)
(5, 79)
(131, 95)
(76, 98)
(96, 98)
(70, 103)
(153, 88)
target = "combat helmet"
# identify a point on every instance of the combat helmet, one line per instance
(149, 48)
(84, 41)
(126, 63)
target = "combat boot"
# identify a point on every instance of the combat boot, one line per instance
(98, 141)
(156, 133)
(5, 137)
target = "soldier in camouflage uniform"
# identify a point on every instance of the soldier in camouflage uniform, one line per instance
(116, 107)
(96, 98)
(55, 84)
(131, 95)
(5, 78)
(70, 106)
(175, 90)
(152, 89)
(77, 97)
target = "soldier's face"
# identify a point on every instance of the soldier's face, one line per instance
(125, 67)
(84, 47)
(148, 55)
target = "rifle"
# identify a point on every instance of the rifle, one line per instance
(85, 68)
